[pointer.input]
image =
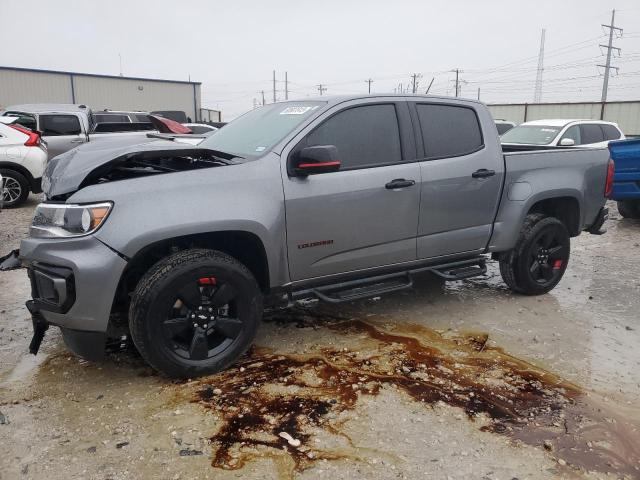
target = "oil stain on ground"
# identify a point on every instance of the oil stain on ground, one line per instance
(272, 405)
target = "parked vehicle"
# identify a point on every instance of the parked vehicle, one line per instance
(64, 127)
(563, 133)
(626, 181)
(119, 116)
(175, 115)
(504, 126)
(337, 198)
(22, 160)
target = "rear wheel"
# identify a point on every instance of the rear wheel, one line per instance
(16, 188)
(540, 257)
(194, 313)
(629, 208)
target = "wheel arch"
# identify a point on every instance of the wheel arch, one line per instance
(246, 247)
(565, 208)
(21, 170)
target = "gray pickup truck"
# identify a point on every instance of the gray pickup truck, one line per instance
(335, 198)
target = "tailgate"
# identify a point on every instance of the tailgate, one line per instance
(626, 156)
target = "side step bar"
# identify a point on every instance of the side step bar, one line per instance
(379, 285)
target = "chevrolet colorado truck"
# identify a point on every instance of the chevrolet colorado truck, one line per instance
(336, 198)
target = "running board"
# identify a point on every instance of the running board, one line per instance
(461, 270)
(381, 284)
(345, 293)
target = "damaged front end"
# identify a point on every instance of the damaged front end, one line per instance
(109, 161)
(10, 261)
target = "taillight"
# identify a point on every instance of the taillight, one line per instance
(608, 186)
(34, 137)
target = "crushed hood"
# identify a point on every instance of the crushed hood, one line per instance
(66, 173)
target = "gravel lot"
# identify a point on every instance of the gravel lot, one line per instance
(459, 380)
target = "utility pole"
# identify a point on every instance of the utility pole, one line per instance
(120, 58)
(415, 79)
(478, 93)
(457, 70)
(322, 88)
(430, 83)
(369, 81)
(262, 92)
(286, 86)
(537, 94)
(609, 47)
(274, 86)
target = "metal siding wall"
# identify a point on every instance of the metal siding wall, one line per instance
(124, 94)
(512, 113)
(626, 115)
(574, 110)
(33, 87)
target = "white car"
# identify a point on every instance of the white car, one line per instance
(23, 157)
(200, 128)
(563, 133)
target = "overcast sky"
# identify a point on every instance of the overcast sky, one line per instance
(232, 47)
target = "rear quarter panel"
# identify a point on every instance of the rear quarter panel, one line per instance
(535, 176)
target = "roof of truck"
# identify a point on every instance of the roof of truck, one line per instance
(47, 107)
(342, 98)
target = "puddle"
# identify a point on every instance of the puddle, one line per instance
(274, 405)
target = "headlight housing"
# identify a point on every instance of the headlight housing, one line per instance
(60, 220)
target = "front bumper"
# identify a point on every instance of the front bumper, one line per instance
(73, 283)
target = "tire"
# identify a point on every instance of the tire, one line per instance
(194, 313)
(16, 188)
(629, 208)
(540, 257)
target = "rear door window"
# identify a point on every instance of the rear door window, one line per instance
(449, 130)
(610, 132)
(591, 133)
(58, 125)
(366, 136)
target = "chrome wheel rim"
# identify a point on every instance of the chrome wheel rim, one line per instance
(12, 190)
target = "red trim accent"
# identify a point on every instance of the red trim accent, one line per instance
(34, 137)
(207, 281)
(335, 163)
(557, 264)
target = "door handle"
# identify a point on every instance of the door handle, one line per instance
(77, 140)
(483, 173)
(399, 183)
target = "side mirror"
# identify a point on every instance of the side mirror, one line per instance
(567, 142)
(314, 160)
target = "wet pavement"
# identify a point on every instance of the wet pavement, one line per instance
(450, 380)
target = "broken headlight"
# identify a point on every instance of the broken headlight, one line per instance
(53, 220)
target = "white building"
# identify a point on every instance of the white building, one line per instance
(26, 85)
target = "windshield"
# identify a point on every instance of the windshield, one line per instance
(531, 135)
(257, 131)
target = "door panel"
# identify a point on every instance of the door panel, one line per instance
(358, 217)
(62, 132)
(457, 210)
(344, 221)
(461, 179)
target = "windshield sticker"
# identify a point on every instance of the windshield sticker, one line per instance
(260, 149)
(296, 110)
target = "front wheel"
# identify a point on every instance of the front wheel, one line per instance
(194, 313)
(540, 257)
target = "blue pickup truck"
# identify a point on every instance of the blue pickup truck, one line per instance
(626, 180)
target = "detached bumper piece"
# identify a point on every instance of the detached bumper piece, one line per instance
(10, 261)
(40, 327)
(596, 228)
